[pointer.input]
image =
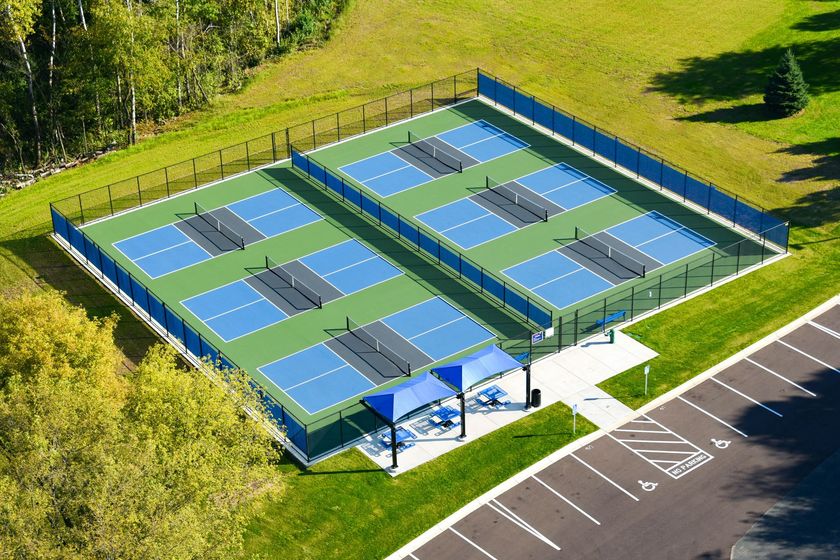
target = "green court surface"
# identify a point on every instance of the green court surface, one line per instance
(288, 217)
(418, 282)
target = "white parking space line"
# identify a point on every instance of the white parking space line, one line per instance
(822, 363)
(501, 509)
(824, 329)
(412, 556)
(645, 431)
(602, 475)
(565, 499)
(469, 542)
(782, 377)
(749, 398)
(712, 416)
(664, 451)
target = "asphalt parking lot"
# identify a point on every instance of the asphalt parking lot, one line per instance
(685, 480)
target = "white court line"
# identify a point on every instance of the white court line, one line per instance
(712, 416)
(822, 363)
(824, 329)
(314, 378)
(782, 377)
(558, 278)
(519, 521)
(565, 499)
(749, 398)
(346, 267)
(237, 308)
(481, 550)
(438, 327)
(443, 231)
(387, 173)
(293, 204)
(138, 259)
(599, 473)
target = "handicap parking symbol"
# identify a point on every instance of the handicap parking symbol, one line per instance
(721, 443)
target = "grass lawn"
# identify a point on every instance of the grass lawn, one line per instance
(677, 77)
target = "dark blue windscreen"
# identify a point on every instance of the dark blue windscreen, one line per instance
(450, 259)
(124, 282)
(504, 95)
(722, 204)
(175, 325)
(300, 161)
(494, 287)
(697, 191)
(584, 135)
(472, 272)
(193, 342)
(138, 292)
(370, 206)
(352, 195)
(390, 220)
(157, 312)
(605, 145)
(563, 125)
(544, 115)
(409, 232)
(59, 224)
(628, 157)
(109, 268)
(673, 180)
(523, 105)
(430, 245)
(649, 168)
(486, 86)
(334, 183)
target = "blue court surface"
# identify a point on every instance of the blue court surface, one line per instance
(238, 309)
(170, 248)
(317, 377)
(660, 237)
(557, 279)
(469, 224)
(466, 223)
(162, 250)
(562, 281)
(350, 266)
(565, 186)
(482, 141)
(387, 173)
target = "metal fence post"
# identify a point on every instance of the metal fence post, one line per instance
(685, 290)
(433, 96)
(386, 111)
(166, 178)
(632, 302)
(195, 175)
(110, 200)
(139, 194)
(659, 303)
(575, 333)
(337, 126)
(411, 103)
(273, 147)
(712, 273)
(314, 142)
(738, 259)
(221, 165)
(247, 156)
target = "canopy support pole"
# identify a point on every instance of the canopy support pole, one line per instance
(392, 425)
(463, 400)
(527, 369)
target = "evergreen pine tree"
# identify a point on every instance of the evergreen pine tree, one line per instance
(786, 93)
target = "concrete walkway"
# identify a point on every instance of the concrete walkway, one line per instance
(568, 377)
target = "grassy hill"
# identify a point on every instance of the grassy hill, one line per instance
(683, 79)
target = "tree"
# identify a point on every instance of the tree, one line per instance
(157, 463)
(786, 93)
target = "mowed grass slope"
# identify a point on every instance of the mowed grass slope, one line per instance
(680, 78)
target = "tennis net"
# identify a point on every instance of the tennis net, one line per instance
(362, 334)
(611, 252)
(293, 281)
(216, 224)
(425, 146)
(524, 202)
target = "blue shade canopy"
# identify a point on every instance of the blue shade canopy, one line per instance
(396, 402)
(469, 370)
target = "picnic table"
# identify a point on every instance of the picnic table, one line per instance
(403, 436)
(493, 396)
(443, 416)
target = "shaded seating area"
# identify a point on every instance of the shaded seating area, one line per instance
(444, 418)
(392, 404)
(466, 372)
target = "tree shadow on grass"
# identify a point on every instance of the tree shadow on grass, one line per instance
(825, 165)
(732, 76)
(750, 112)
(820, 22)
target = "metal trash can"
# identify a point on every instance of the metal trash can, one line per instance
(536, 398)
